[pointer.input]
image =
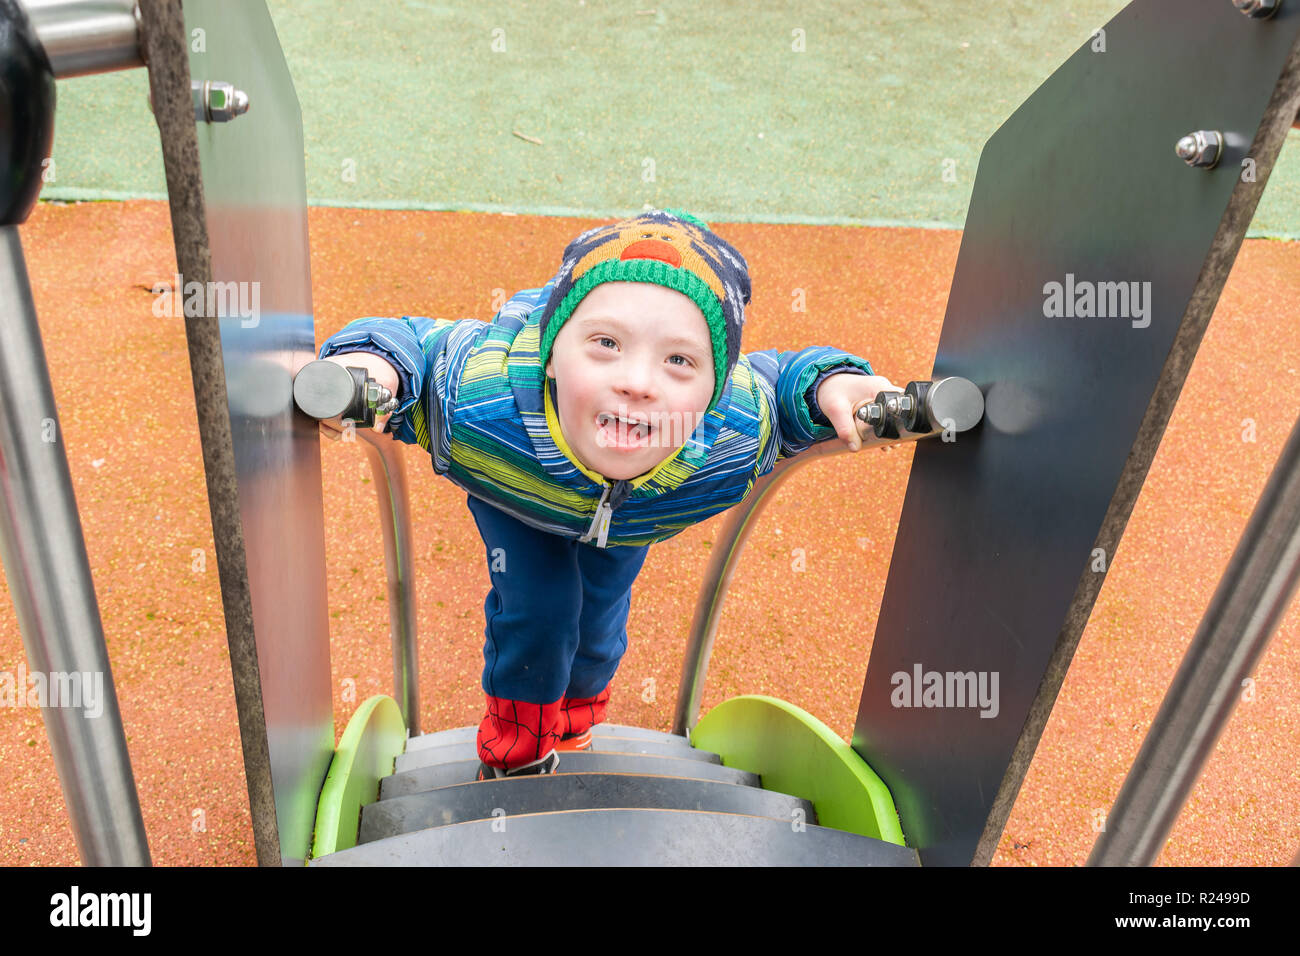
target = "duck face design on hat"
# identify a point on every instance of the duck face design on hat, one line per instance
(670, 242)
(664, 247)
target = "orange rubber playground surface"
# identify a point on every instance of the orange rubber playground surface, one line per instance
(126, 410)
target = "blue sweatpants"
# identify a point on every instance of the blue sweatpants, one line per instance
(556, 624)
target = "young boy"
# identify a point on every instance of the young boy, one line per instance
(606, 411)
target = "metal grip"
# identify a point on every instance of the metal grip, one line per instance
(924, 408)
(327, 390)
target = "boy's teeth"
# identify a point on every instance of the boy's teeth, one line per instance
(618, 418)
(638, 428)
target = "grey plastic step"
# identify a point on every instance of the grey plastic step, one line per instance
(468, 750)
(491, 799)
(464, 771)
(458, 735)
(625, 838)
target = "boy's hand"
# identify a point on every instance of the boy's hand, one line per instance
(378, 369)
(839, 394)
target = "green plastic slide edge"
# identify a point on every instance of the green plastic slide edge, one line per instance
(793, 752)
(374, 737)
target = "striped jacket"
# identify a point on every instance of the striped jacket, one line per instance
(474, 396)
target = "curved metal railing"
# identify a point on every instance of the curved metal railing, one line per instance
(955, 408)
(394, 500)
(324, 391)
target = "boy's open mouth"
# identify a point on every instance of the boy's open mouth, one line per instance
(621, 432)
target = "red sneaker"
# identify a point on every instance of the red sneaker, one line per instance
(580, 741)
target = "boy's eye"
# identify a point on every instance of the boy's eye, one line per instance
(684, 363)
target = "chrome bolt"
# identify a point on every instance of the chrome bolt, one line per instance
(870, 412)
(218, 102)
(1202, 148)
(1257, 9)
(379, 398)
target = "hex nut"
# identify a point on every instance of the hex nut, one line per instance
(1257, 9)
(1202, 148)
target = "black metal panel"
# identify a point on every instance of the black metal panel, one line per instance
(461, 734)
(491, 799)
(464, 771)
(625, 838)
(429, 756)
(992, 566)
(26, 113)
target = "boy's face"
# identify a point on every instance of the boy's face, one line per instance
(638, 351)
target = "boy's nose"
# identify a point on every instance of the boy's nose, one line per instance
(637, 383)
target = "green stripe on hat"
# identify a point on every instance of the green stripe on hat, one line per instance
(656, 273)
(687, 217)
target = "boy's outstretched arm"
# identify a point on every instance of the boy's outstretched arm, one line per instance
(794, 381)
(428, 358)
(404, 355)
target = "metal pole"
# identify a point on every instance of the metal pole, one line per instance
(45, 562)
(1245, 610)
(82, 37)
(387, 466)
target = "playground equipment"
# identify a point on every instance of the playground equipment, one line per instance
(1076, 349)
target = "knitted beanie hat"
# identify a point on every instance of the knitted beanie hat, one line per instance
(666, 247)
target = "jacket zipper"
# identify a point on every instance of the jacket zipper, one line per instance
(605, 512)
